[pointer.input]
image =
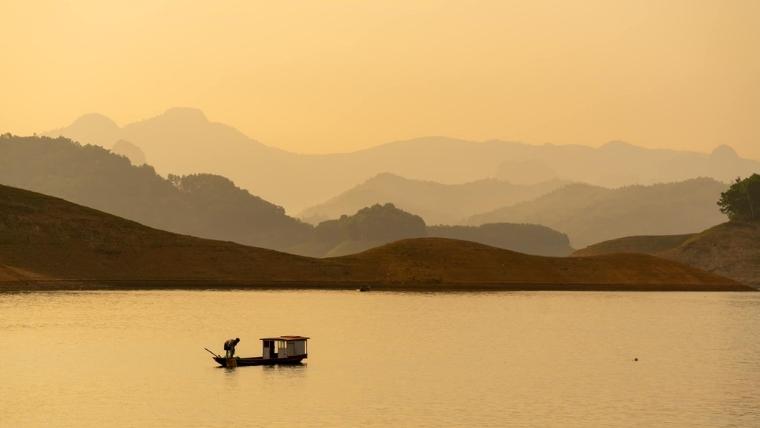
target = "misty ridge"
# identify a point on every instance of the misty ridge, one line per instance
(48, 240)
(183, 141)
(437, 203)
(212, 206)
(590, 214)
(510, 195)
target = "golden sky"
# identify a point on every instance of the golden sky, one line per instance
(325, 76)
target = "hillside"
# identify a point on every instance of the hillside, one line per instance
(381, 224)
(59, 239)
(184, 141)
(435, 202)
(12, 274)
(79, 245)
(650, 244)
(523, 238)
(730, 249)
(367, 228)
(203, 205)
(589, 214)
(445, 261)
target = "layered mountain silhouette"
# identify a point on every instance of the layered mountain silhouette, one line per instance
(199, 204)
(381, 224)
(49, 242)
(212, 206)
(129, 151)
(183, 141)
(524, 238)
(730, 249)
(435, 202)
(590, 214)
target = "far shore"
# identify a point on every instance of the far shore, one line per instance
(133, 285)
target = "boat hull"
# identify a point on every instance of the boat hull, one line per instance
(260, 361)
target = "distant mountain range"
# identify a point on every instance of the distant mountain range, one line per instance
(589, 214)
(211, 206)
(381, 224)
(435, 202)
(49, 242)
(731, 249)
(182, 141)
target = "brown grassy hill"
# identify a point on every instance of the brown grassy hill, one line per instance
(730, 249)
(61, 240)
(446, 261)
(650, 244)
(12, 274)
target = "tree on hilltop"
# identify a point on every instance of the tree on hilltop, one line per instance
(741, 202)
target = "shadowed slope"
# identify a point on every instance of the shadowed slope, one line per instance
(12, 274)
(58, 239)
(730, 249)
(650, 244)
(199, 204)
(446, 261)
(63, 240)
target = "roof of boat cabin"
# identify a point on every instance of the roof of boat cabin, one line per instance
(286, 338)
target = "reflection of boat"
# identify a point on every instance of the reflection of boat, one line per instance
(276, 350)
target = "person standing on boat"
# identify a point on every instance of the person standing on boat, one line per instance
(229, 347)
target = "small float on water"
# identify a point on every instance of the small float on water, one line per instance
(276, 350)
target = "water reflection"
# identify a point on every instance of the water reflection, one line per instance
(377, 359)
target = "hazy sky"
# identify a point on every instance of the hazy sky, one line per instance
(328, 76)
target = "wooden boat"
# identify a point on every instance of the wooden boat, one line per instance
(260, 361)
(276, 350)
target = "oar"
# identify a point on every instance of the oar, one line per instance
(213, 353)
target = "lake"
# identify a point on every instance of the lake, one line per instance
(136, 359)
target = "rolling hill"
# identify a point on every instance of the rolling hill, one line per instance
(435, 202)
(590, 214)
(444, 261)
(381, 224)
(730, 249)
(183, 141)
(203, 205)
(78, 245)
(524, 238)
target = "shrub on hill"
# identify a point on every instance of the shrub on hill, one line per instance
(741, 202)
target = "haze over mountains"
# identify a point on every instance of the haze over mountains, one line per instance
(435, 202)
(211, 206)
(182, 141)
(200, 204)
(589, 214)
(381, 224)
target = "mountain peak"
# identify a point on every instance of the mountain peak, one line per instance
(617, 145)
(386, 176)
(184, 114)
(724, 151)
(94, 121)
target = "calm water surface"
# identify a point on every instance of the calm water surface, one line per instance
(135, 359)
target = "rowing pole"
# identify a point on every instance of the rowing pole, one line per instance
(213, 353)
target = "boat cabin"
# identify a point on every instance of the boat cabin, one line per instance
(284, 347)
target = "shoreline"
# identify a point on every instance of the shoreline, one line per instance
(202, 284)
